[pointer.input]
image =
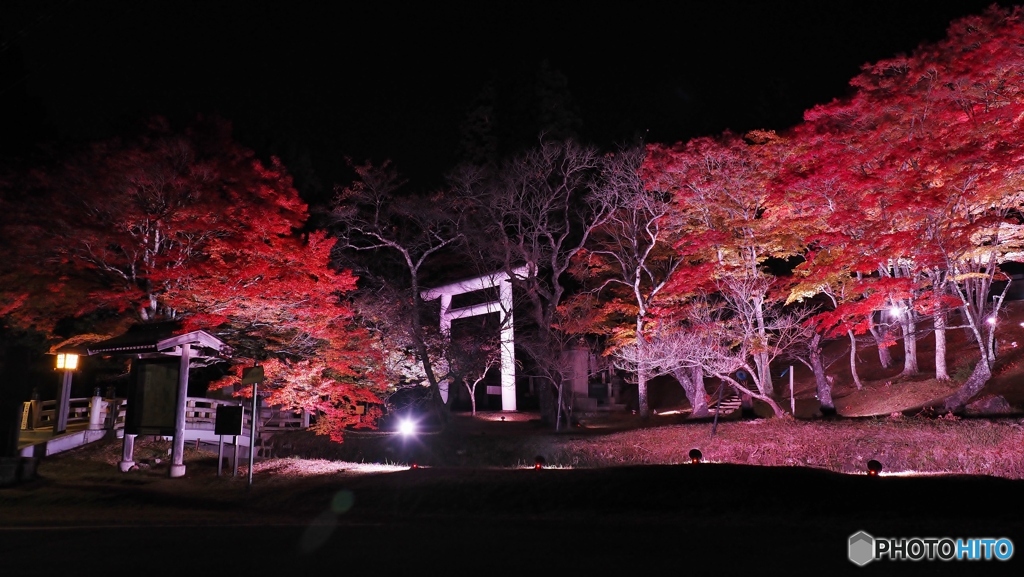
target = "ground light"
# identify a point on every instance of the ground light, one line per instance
(407, 427)
(696, 456)
(539, 462)
(874, 468)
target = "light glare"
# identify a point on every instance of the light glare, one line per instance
(407, 427)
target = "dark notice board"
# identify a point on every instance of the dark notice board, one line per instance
(152, 397)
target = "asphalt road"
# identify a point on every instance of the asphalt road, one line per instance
(719, 520)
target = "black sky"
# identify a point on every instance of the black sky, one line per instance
(388, 79)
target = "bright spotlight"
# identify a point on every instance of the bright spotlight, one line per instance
(407, 427)
(991, 320)
(895, 311)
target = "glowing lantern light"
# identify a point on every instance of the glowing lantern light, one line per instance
(696, 456)
(67, 361)
(874, 468)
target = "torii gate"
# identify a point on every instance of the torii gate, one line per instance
(502, 306)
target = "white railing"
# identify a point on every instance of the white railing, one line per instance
(200, 414)
(44, 413)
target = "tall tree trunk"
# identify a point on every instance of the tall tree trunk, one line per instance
(764, 375)
(438, 403)
(692, 381)
(992, 348)
(761, 361)
(546, 399)
(909, 345)
(822, 386)
(941, 372)
(884, 356)
(983, 370)
(853, 360)
(472, 398)
(979, 376)
(641, 387)
(564, 408)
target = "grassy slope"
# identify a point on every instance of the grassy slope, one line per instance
(885, 391)
(84, 486)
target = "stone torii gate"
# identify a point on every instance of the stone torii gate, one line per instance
(503, 306)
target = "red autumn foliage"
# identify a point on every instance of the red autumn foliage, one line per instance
(192, 226)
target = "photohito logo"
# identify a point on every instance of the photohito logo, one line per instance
(863, 548)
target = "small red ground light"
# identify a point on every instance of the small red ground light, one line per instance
(538, 462)
(696, 456)
(874, 468)
(414, 466)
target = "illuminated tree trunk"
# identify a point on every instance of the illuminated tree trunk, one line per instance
(563, 406)
(641, 387)
(822, 386)
(941, 372)
(971, 387)
(976, 320)
(692, 381)
(744, 391)
(472, 396)
(853, 360)
(761, 360)
(437, 405)
(884, 356)
(909, 344)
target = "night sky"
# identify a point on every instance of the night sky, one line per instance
(313, 83)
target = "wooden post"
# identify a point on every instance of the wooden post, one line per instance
(253, 431)
(220, 456)
(63, 405)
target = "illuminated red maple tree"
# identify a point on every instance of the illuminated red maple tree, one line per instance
(193, 227)
(928, 151)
